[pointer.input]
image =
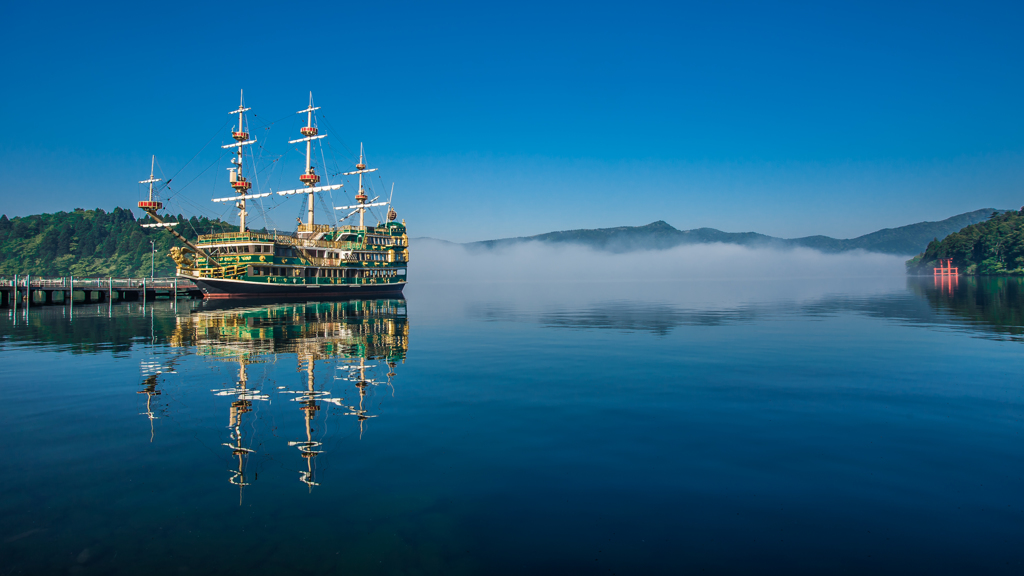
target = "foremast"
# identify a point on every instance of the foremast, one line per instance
(236, 176)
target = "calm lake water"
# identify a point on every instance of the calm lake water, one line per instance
(871, 425)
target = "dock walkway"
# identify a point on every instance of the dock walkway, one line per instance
(30, 290)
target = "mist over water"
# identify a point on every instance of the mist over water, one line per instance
(539, 277)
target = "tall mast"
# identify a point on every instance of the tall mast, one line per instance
(238, 182)
(361, 196)
(309, 176)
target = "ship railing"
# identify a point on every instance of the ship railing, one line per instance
(315, 228)
(287, 240)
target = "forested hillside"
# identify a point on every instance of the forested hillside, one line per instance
(995, 246)
(92, 243)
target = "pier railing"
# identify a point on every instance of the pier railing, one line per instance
(80, 283)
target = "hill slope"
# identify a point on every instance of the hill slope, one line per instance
(903, 241)
(995, 246)
(92, 243)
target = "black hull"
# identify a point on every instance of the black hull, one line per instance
(215, 289)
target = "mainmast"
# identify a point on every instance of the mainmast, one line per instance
(238, 181)
(309, 177)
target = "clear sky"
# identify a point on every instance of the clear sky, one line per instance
(501, 119)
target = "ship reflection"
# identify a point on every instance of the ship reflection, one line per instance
(361, 339)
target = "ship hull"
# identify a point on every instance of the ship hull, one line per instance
(217, 289)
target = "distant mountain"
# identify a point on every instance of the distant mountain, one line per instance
(903, 241)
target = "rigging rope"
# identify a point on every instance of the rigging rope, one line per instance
(167, 183)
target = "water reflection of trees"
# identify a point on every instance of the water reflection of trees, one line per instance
(990, 303)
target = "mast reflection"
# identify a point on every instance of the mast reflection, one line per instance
(151, 372)
(242, 405)
(362, 337)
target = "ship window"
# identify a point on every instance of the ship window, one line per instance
(401, 271)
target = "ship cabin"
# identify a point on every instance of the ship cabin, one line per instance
(317, 254)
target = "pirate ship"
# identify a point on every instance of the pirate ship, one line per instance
(316, 261)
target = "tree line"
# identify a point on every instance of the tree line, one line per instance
(992, 247)
(93, 243)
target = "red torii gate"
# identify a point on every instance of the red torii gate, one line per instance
(946, 268)
(946, 275)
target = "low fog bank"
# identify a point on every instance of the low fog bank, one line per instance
(540, 276)
(441, 262)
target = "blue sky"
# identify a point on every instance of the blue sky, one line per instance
(504, 119)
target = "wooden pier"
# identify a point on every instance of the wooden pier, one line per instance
(40, 291)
